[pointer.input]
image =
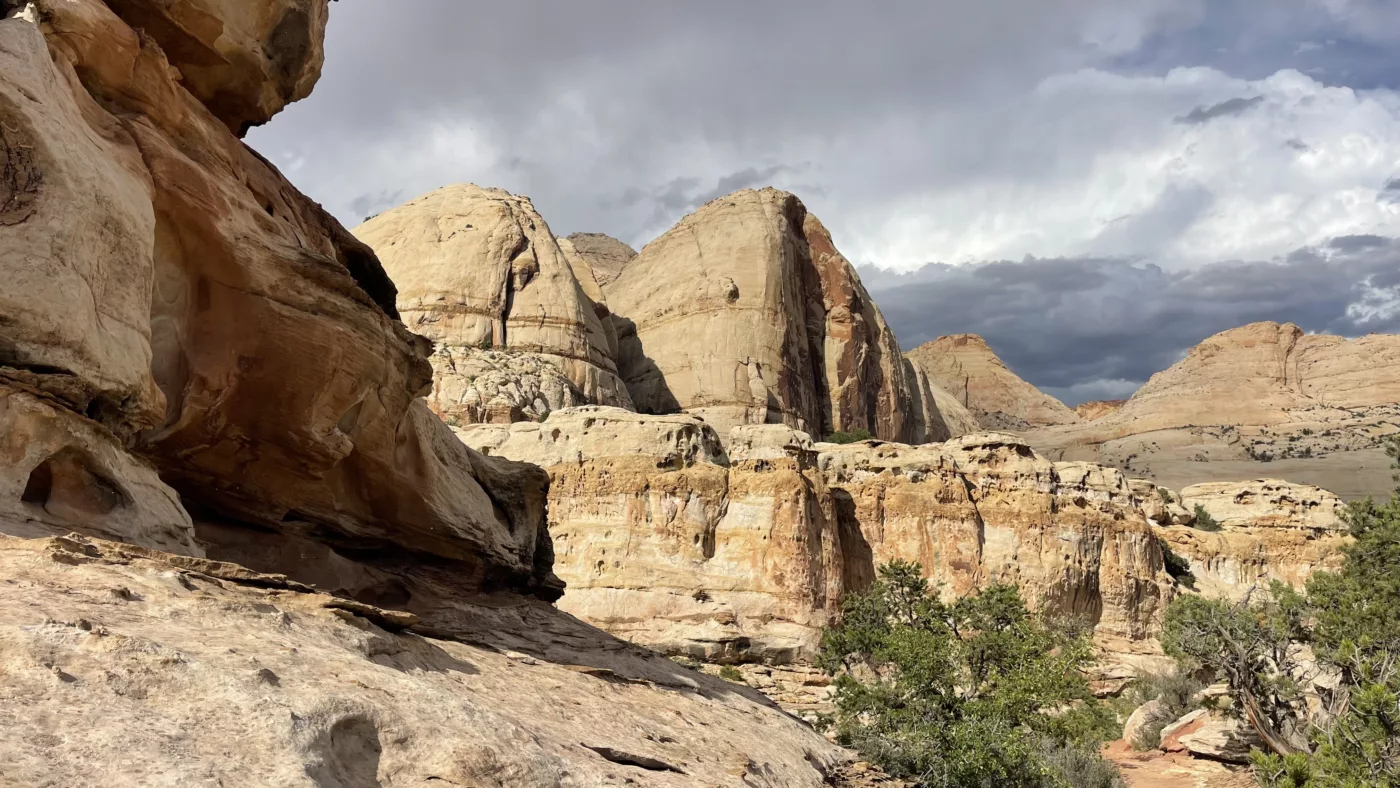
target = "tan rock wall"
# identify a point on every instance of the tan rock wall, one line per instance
(745, 313)
(965, 366)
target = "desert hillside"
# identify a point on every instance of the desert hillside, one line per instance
(1264, 399)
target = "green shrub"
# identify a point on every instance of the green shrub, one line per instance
(1175, 694)
(1166, 495)
(1204, 520)
(974, 693)
(853, 436)
(1179, 568)
(731, 673)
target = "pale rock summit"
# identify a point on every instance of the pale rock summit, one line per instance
(478, 269)
(965, 366)
(1092, 411)
(605, 255)
(745, 313)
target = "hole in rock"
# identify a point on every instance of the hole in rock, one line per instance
(69, 485)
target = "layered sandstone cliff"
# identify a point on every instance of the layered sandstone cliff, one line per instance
(1270, 530)
(965, 366)
(478, 269)
(195, 358)
(745, 313)
(667, 540)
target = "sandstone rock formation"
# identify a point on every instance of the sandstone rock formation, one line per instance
(745, 313)
(666, 540)
(1270, 530)
(966, 367)
(176, 313)
(1262, 399)
(129, 668)
(1091, 411)
(478, 269)
(938, 415)
(606, 256)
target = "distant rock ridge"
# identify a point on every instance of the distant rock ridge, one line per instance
(1262, 399)
(965, 366)
(1097, 409)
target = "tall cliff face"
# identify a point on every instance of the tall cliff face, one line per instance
(478, 269)
(665, 539)
(745, 313)
(966, 367)
(183, 333)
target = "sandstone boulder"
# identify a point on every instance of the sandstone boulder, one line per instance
(176, 297)
(479, 269)
(243, 59)
(606, 256)
(745, 313)
(1141, 717)
(965, 366)
(1210, 735)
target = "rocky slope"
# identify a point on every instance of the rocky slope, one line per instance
(1260, 400)
(966, 366)
(745, 313)
(478, 269)
(196, 359)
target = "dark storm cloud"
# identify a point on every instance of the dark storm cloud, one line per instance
(1234, 106)
(1067, 323)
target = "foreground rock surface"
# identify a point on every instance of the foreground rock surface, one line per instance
(965, 366)
(745, 313)
(129, 668)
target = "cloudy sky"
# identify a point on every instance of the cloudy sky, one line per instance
(1094, 185)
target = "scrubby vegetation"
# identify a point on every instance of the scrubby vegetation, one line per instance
(1166, 495)
(854, 436)
(1204, 520)
(1317, 675)
(979, 692)
(1176, 696)
(731, 673)
(1179, 568)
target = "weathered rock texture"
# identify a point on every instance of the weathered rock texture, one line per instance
(479, 269)
(172, 296)
(1262, 399)
(666, 540)
(1270, 530)
(745, 313)
(131, 669)
(938, 415)
(606, 256)
(1091, 411)
(967, 368)
(176, 313)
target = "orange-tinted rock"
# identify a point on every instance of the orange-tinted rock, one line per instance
(965, 366)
